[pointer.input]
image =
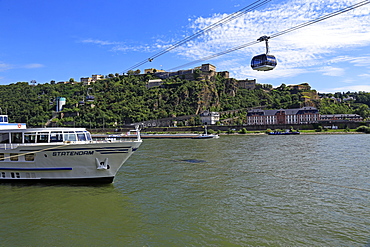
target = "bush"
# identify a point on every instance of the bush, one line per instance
(210, 131)
(243, 131)
(230, 131)
(364, 129)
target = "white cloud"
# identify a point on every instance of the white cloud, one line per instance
(245, 71)
(316, 45)
(361, 61)
(100, 42)
(121, 46)
(33, 66)
(332, 71)
(352, 88)
(4, 66)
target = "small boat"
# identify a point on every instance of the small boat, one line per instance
(145, 136)
(206, 135)
(284, 133)
(59, 154)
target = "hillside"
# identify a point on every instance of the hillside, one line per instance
(125, 99)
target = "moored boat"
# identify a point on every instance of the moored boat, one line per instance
(284, 133)
(144, 136)
(59, 154)
(205, 135)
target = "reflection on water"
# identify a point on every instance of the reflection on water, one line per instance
(233, 191)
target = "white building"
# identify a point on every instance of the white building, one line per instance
(209, 118)
(303, 115)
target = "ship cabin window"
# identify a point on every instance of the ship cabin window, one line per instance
(4, 137)
(56, 136)
(30, 137)
(3, 119)
(14, 157)
(70, 136)
(81, 136)
(42, 137)
(29, 157)
(16, 137)
(2, 157)
(88, 136)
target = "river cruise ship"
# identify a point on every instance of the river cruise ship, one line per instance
(59, 154)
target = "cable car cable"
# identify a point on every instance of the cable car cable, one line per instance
(227, 19)
(338, 12)
(360, 4)
(209, 28)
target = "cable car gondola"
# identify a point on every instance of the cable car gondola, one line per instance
(264, 62)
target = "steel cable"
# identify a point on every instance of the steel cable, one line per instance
(227, 19)
(360, 4)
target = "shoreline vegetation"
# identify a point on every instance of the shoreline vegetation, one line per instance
(262, 132)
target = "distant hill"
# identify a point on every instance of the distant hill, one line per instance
(124, 99)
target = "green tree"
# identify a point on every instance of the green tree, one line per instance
(363, 111)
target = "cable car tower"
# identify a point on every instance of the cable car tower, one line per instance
(89, 97)
(264, 62)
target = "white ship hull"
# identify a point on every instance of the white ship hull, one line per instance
(95, 161)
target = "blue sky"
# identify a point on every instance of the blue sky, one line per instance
(46, 40)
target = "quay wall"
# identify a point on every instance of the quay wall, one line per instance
(336, 124)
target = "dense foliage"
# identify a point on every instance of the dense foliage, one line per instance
(124, 99)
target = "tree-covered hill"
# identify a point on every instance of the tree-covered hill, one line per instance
(124, 99)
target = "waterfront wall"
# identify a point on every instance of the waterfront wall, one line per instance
(331, 124)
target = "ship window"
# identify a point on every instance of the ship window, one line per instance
(2, 157)
(56, 136)
(30, 157)
(70, 136)
(81, 136)
(16, 137)
(42, 137)
(88, 136)
(3, 119)
(4, 137)
(17, 175)
(30, 137)
(14, 157)
(3, 174)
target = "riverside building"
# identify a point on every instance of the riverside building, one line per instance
(303, 115)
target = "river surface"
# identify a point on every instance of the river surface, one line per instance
(304, 190)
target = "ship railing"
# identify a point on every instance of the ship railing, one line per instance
(8, 146)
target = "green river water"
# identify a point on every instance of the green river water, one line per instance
(304, 190)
